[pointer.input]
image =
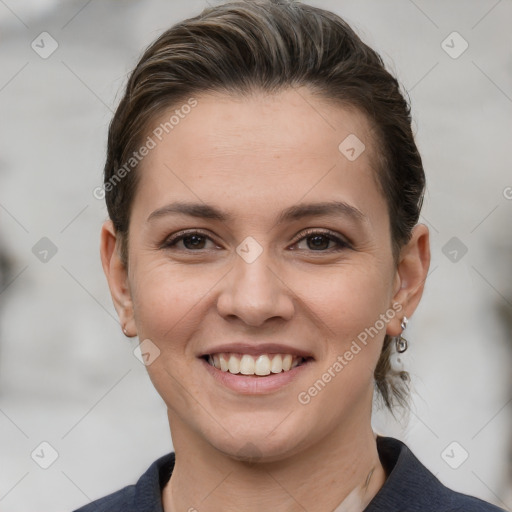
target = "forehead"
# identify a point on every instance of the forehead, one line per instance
(260, 149)
(276, 122)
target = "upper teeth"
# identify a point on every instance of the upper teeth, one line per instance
(262, 364)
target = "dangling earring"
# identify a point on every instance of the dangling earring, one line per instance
(401, 343)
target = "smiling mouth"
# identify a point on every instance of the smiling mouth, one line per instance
(258, 365)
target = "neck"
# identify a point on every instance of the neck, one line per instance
(342, 473)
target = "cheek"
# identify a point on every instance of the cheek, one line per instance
(348, 303)
(168, 307)
(166, 301)
(348, 298)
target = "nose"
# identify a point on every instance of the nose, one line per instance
(255, 292)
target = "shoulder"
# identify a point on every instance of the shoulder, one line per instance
(146, 494)
(412, 487)
(452, 501)
(464, 503)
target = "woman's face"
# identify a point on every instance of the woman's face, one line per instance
(275, 274)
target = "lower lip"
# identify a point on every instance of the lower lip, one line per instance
(255, 385)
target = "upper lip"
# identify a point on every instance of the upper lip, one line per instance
(256, 349)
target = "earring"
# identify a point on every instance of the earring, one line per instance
(125, 331)
(401, 343)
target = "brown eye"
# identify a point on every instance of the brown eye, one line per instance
(191, 241)
(320, 241)
(194, 241)
(316, 242)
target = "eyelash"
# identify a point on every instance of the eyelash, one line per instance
(342, 244)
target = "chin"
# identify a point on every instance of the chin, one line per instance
(253, 446)
(259, 453)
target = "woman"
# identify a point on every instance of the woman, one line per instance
(264, 187)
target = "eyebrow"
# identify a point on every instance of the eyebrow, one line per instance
(296, 212)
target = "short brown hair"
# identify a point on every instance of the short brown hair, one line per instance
(270, 45)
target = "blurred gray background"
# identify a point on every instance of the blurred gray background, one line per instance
(69, 378)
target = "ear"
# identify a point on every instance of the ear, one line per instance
(117, 277)
(411, 273)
